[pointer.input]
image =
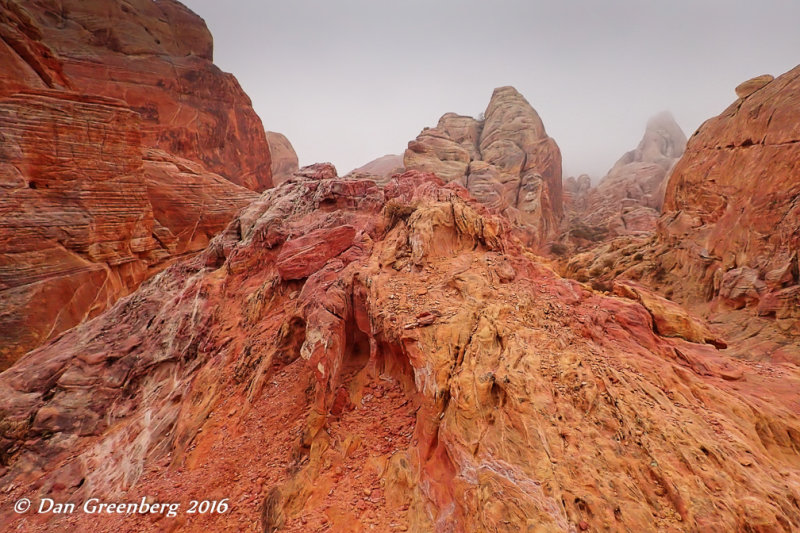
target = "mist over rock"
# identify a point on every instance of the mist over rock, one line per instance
(122, 147)
(628, 199)
(728, 239)
(641, 174)
(506, 160)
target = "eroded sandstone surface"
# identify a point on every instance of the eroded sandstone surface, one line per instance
(156, 56)
(121, 147)
(505, 160)
(727, 242)
(352, 357)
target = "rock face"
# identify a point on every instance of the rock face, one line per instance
(347, 356)
(284, 158)
(575, 193)
(730, 232)
(112, 118)
(154, 55)
(506, 161)
(628, 200)
(639, 178)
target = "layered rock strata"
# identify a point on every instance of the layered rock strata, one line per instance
(113, 121)
(154, 55)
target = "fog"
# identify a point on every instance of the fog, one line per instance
(352, 80)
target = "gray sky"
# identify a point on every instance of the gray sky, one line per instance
(352, 80)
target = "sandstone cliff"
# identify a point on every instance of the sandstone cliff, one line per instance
(154, 55)
(353, 357)
(113, 121)
(506, 160)
(729, 236)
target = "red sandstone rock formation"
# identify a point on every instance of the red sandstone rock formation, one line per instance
(154, 55)
(112, 119)
(87, 214)
(352, 357)
(506, 161)
(284, 158)
(730, 233)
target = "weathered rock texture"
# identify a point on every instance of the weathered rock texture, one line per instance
(506, 161)
(730, 233)
(284, 158)
(154, 55)
(112, 121)
(627, 201)
(360, 358)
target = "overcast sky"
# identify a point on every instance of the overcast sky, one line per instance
(351, 80)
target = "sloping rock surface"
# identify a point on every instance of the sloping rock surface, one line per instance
(417, 369)
(284, 158)
(729, 237)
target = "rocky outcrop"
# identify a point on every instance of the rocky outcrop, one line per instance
(112, 118)
(87, 213)
(575, 193)
(746, 88)
(506, 160)
(284, 158)
(627, 201)
(156, 57)
(352, 357)
(729, 236)
(190, 204)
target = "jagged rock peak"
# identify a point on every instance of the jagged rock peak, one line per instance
(505, 159)
(663, 138)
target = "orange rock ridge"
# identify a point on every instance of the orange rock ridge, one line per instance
(432, 375)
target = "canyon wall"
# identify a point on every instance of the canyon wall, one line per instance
(729, 234)
(122, 147)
